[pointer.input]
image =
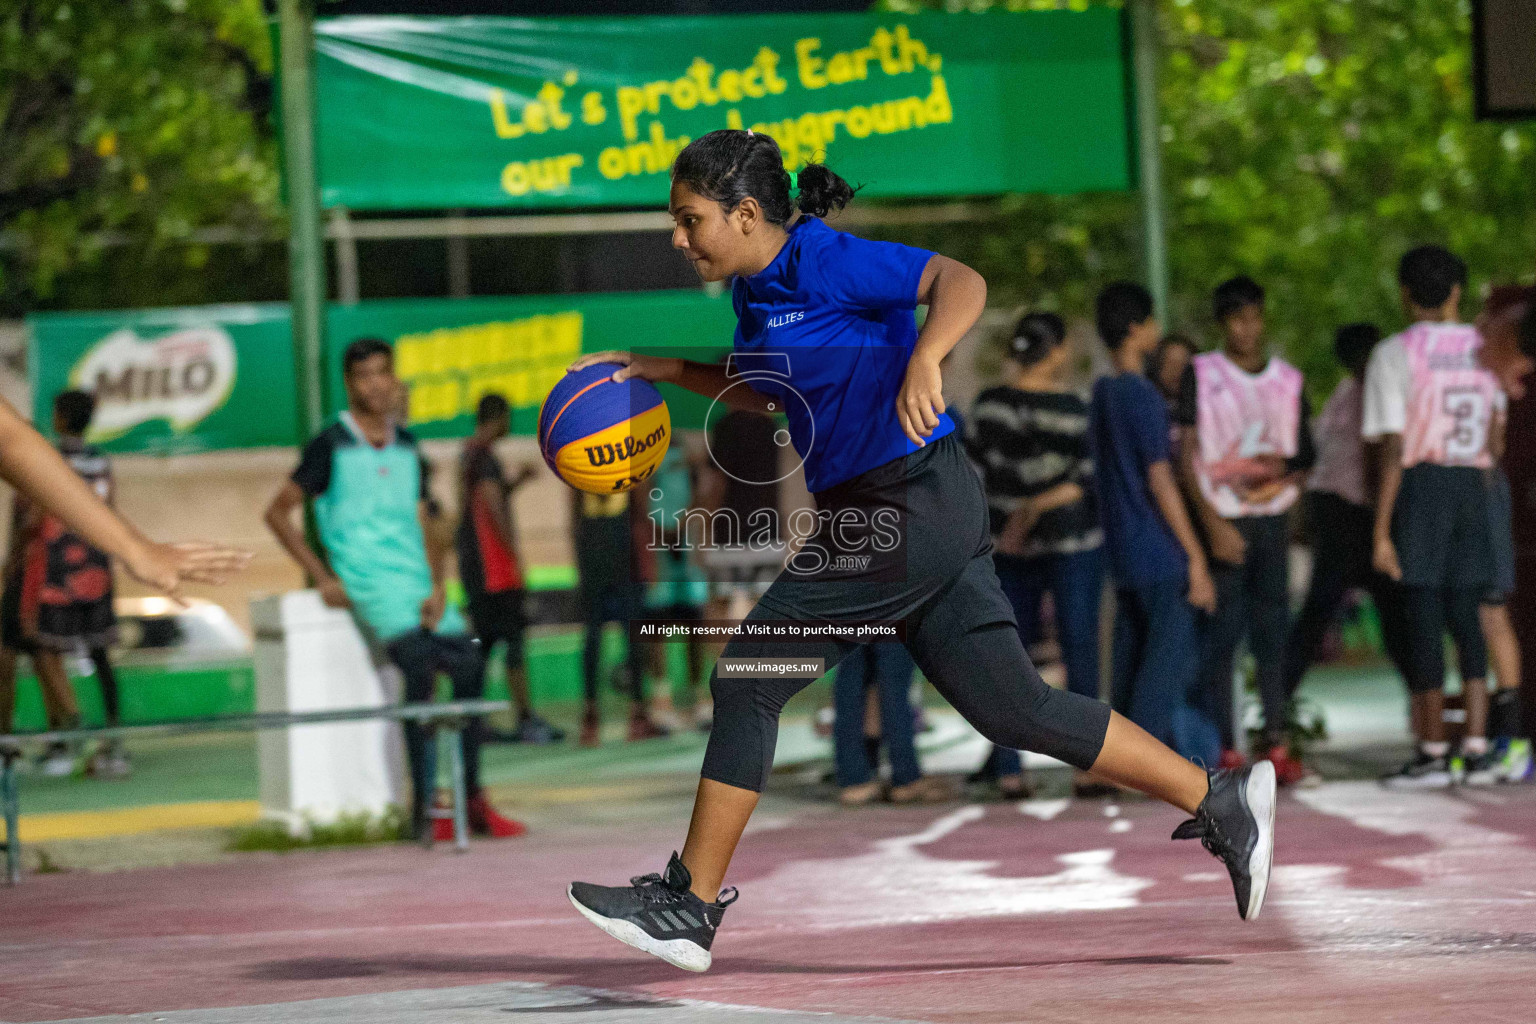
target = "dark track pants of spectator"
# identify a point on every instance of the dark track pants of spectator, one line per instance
(1157, 664)
(1252, 601)
(1075, 582)
(420, 656)
(888, 668)
(1341, 560)
(619, 603)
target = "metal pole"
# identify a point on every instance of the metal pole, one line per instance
(454, 730)
(12, 813)
(348, 284)
(1149, 142)
(306, 239)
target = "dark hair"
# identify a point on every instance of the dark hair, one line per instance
(1035, 337)
(74, 410)
(1173, 339)
(1120, 307)
(729, 164)
(491, 407)
(1160, 354)
(1429, 273)
(1235, 293)
(1352, 345)
(364, 348)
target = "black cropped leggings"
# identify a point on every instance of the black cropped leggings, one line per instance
(983, 671)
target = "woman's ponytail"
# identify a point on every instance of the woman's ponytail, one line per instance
(820, 191)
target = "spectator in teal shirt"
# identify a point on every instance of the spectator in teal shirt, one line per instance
(366, 479)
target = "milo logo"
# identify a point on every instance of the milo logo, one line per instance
(625, 448)
(179, 377)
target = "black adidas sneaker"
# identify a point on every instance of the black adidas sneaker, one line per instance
(1424, 771)
(1236, 822)
(657, 914)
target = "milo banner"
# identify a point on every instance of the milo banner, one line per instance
(210, 377)
(483, 112)
(171, 380)
(451, 352)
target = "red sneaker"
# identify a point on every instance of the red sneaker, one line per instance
(1288, 770)
(1231, 760)
(643, 727)
(484, 820)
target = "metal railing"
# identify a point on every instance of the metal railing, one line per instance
(449, 716)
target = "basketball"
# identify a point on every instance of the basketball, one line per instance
(603, 436)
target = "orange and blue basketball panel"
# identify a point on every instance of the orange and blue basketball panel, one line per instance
(603, 436)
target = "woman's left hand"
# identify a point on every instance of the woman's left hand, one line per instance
(166, 567)
(921, 399)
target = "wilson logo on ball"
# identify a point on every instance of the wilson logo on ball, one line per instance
(628, 448)
(603, 436)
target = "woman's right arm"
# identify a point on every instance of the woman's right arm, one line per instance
(708, 379)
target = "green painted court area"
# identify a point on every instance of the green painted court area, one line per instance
(1364, 707)
(157, 693)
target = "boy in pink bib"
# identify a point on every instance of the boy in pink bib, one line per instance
(1439, 417)
(1243, 460)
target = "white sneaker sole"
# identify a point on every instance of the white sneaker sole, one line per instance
(1260, 792)
(678, 952)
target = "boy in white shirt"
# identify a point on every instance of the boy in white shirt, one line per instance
(1439, 416)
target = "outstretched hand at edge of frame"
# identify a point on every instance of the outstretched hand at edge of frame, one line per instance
(168, 567)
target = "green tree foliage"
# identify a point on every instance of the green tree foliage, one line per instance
(145, 117)
(1307, 144)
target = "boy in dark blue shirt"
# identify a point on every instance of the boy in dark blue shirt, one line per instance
(1160, 572)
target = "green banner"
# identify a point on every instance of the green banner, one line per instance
(449, 352)
(201, 378)
(171, 380)
(483, 112)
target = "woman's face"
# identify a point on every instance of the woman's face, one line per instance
(713, 241)
(1171, 371)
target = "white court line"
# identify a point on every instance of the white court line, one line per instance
(1365, 804)
(1045, 810)
(1455, 876)
(895, 882)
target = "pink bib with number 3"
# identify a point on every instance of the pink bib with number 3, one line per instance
(1452, 399)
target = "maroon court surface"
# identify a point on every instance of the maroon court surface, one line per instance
(1384, 907)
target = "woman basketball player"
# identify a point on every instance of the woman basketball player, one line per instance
(902, 531)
